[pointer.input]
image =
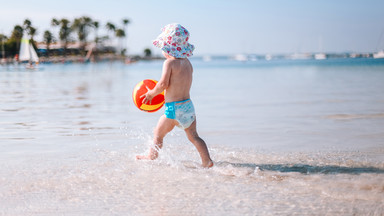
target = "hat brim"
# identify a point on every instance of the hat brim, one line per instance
(183, 51)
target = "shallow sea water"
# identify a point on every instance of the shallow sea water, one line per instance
(287, 138)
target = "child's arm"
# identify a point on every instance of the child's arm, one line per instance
(161, 85)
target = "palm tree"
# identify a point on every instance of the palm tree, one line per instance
(30, 30)
(82, 25)
(120, 33)
(27, 23)
(64, 32)
(17, 32)
(110, 27)
(55, 22)
(96, 27)
(15, 39)
(147, 52)
(48, 39)
(125, 23)
(2, 39)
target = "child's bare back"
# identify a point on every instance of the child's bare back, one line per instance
(180, 80)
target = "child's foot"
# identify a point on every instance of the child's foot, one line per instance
(143, 157)
(153, 154)
(209, 164)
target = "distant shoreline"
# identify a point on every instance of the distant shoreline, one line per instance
(206, 58)
(82, 59)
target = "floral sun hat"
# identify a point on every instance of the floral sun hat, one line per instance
(174, 41)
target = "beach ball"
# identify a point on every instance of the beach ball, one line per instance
(140, 89)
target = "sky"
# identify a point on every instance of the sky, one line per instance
(221, 27)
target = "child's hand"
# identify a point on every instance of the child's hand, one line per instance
(147, 97)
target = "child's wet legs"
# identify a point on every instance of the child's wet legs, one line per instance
(200, 145)
(163, 127)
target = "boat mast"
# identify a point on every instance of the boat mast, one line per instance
(379, 41)
(30, 51)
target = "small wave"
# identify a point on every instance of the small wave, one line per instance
(21, 138)
(242, 169)
(354, 116)
(12, 110)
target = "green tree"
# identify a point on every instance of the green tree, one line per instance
(120, 33)
(30, 30)
(3, 38)
(82, 25)
(64, 32)
(17, 32)
(96, 28)
(148, 53)
(111, 29)
(32, 33)
(55, 22)
(13, 44)
(125, 24)
(48, 39)
(27, 24)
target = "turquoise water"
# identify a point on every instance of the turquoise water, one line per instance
(287, 137)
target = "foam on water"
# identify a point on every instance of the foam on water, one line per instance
(106, 179)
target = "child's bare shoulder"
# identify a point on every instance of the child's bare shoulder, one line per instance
(170, 62)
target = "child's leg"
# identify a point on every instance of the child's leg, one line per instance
(164, 126)
(199, 144)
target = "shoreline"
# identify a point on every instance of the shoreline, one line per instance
(206, 58)
(83, 59)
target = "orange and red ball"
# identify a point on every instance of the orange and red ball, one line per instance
(140, 89)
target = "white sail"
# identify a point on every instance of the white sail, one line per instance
(24, 50)
(34, 56)
(27, 53)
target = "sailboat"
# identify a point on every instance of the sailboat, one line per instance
(321, 55)
(28, 53)
(379, 54)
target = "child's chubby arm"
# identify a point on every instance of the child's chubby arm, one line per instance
(161, 85)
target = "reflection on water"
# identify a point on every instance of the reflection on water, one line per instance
(286, 139)
(357, 116)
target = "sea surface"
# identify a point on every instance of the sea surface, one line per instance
(287, 137)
